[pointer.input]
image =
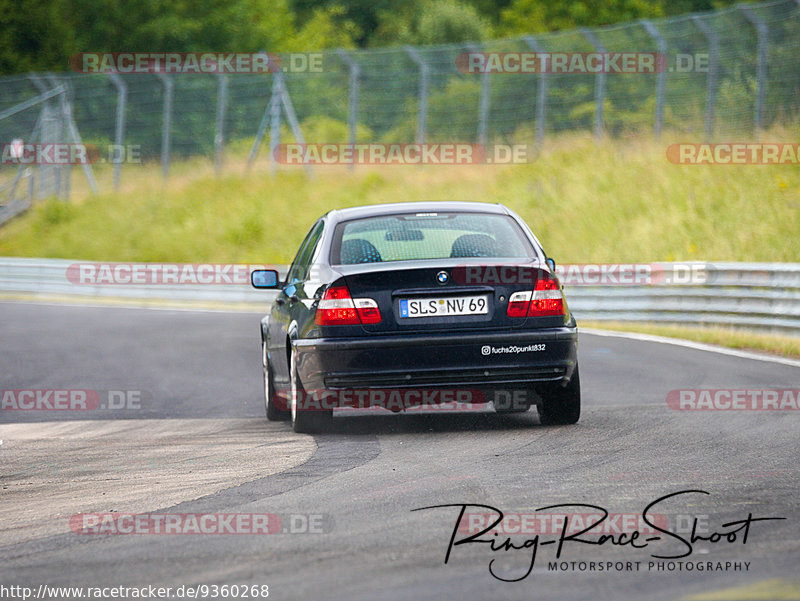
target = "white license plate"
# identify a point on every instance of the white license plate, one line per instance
(448, 305)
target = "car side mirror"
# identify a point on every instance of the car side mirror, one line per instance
(552, 264)
(264, 279)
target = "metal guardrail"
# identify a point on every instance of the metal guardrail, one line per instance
(48, 277)
(763, 296)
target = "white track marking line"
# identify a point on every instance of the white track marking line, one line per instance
(692, 345)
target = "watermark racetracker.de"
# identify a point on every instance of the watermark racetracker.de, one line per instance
(169, 274)
(587, 274)
(734, 153)
(579, 63)
(443, 153)
(17, 153)
(445, 400)
(182, 524)
(192, 63)
(68, 399)
(734, 399)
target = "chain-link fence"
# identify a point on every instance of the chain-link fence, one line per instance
(724, 73)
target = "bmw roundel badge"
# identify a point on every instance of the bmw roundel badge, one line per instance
(442, 277)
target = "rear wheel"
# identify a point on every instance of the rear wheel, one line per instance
(275, 406)
(305, 418)
(562, 405)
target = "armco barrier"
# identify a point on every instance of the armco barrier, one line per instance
(763, 296)
(49, 277)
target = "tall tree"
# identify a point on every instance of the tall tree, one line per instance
(35, 36)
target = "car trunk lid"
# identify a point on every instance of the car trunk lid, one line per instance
(444, 295)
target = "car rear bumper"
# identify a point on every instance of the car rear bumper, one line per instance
(479, 360)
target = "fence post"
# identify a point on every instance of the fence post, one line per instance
(483, 107)
(62, 191)
(219, 136)
(274, 120)
(68, 130)
(65, 190)
(49, 175)
(291, 116)
(31, 185)
(166, 122)
(262, 127)
(422, 112)
(541, 90)
(711, 82)
(355, 74)
(761, 64)
(119, 128)
(599, 83)
(661, 76)
(72, 132)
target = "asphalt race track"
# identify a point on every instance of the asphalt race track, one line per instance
(197, 420)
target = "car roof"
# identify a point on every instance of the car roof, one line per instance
(347, 214)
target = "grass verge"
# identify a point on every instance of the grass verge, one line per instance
(616, 200)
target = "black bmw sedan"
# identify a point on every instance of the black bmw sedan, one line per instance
(418, 304)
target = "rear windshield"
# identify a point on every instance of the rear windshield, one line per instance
(420, 236)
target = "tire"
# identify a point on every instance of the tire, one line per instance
(562, 405)
(305, 421)
(274, 406)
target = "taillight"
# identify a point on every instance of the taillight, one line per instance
(368, 310)
(338, 308)
(544, 301)
(518, 304)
